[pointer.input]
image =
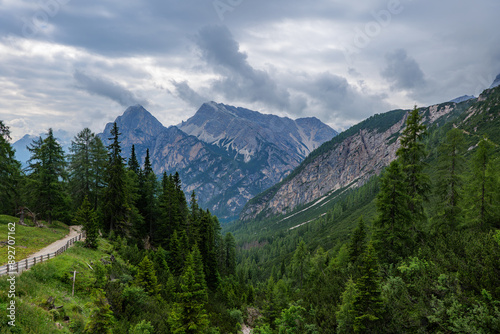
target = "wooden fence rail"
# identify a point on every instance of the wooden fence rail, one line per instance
(25, 264)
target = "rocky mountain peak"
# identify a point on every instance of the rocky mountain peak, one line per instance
(245, 132)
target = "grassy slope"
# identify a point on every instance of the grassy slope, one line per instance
(28, 240)
(52, 279)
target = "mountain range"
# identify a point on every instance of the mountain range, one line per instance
(227, 155)
(350, 159)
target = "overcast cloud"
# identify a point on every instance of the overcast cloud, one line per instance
(86, 61)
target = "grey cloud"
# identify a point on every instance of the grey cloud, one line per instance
(186, 93)
(109, 89)
(402, 71)
(338, 97)
(239, 80)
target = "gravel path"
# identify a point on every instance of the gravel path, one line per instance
(245, 329)
(73, 232)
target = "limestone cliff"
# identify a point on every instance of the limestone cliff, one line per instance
(350, 158)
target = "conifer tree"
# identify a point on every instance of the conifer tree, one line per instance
(188, 314)
(116, 207)
(449, 184)
(230, 251)
(10, 173)
(99, 162)
(133, 163)
(207, 236)
(148, 200)
(299, 261)
(392, 237)
(345, 314)
(367, 305)
(80, 167)
(46, 179)
(176, 260)
(411, 154)
(86, 217)
(358, 243)
(101, 319)
(146, 277)
(482, 186)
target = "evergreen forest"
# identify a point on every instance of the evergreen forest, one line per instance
(414, 250)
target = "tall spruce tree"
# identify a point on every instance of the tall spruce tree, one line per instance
(101, 319)
(449, 181)
(10, 173)
(411, 154)
(188, 314)
(367, 306)
(357, 244)
(299, 261)
(392, 237)
(230, 251)
(116, 206)
(99, 163)
(482, 204)
(46, 179)
(80, 167)
(87, 217)
(207, 231)
(146, 277)
(148, 196)
(133, 163)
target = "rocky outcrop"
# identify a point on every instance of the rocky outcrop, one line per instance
(351, 158)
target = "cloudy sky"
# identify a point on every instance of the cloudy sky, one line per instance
(70, 64)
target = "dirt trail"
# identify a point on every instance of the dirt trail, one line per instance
(245, 329)
(73, 232)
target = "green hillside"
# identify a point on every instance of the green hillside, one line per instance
(302, 258)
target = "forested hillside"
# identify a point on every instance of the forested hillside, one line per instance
(154, 261)
(416, 250)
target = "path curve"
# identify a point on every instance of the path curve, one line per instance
(73, 232)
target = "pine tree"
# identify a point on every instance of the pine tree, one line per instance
(411, 154)
(148, 200)
(46, 179)
(176, 261)
(146, 277)
(10, 173)
(367, 304)
(99, 162)
(299, 261)
(207, 236)
(392, 237)
(86, 217)
(116, 206)
(230, 250)
(188, 314)
(133, 164)
(101, 320)
(345, 314)
(482, 186)
(357, 245)
(449, 184)
(80, 168)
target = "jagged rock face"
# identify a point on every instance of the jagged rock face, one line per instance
(247, 132)
(350, 161)
(229, 155)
